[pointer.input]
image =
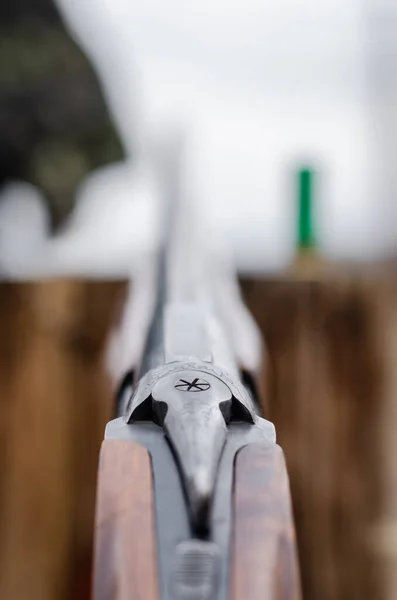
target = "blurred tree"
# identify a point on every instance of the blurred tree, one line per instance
(54, 125)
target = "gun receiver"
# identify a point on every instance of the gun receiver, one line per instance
(193, 495)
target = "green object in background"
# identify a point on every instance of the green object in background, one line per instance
(305, 196)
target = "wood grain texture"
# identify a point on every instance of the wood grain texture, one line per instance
(55, 401)
(331, 391)
(326, 378)
(264, 547)
(125, 549)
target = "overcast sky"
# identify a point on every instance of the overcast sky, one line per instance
(260, 86)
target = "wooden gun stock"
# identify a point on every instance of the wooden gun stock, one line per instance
(263, 553)
(264, 563)
(125, 562)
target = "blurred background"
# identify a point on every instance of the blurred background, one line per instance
(260, 89)
(289, 112)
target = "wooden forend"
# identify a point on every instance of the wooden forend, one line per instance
(125, 563)
(264, 551)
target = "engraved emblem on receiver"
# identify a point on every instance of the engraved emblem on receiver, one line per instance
(196, 385)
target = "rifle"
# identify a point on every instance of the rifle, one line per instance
(193, 498)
